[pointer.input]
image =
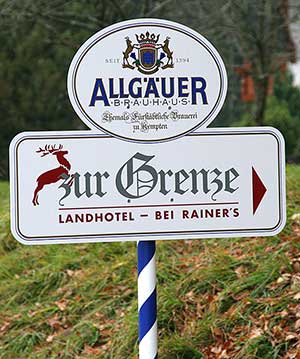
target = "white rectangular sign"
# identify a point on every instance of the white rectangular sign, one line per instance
(71, 187)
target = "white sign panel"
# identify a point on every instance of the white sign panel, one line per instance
(70, 187)
(147, 80)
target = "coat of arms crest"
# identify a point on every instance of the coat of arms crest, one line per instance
(147, 55)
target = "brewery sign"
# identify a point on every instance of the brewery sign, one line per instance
(147, 80)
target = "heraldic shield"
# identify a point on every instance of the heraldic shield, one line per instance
(148, 57)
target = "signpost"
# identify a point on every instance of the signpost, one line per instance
(72, 187)
(147, 82)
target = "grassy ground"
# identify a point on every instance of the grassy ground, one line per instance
(233, 298)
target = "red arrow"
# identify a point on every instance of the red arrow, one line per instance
(258, 190)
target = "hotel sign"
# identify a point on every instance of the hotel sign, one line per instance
(70, 187)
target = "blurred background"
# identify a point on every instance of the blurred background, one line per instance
(218, 298)
(258, 40)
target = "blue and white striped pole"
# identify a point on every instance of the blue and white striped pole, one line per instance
(147, 300)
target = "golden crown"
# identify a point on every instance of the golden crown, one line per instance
(147, 38)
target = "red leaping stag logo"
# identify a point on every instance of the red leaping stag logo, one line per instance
(54, 175)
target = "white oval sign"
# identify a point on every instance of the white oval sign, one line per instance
(147, 80)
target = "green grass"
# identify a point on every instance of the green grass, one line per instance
(238, 297)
